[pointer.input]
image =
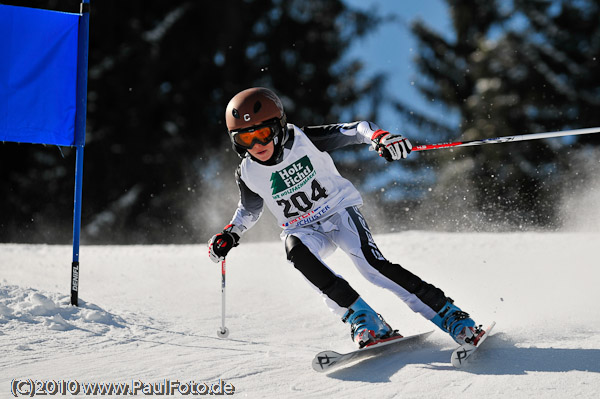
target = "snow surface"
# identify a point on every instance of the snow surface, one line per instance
(151, 313)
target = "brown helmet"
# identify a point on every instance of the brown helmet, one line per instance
(253, 107)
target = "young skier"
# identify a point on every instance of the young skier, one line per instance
(289, 169)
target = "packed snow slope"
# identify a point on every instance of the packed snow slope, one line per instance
(151, 313)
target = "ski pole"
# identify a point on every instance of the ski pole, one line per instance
(507, 139)
(223, 332)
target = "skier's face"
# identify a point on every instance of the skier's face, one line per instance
(262, 152)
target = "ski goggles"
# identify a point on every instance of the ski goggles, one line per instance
(262, 134)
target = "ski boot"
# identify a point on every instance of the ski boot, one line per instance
(458, 324)
(366, 325)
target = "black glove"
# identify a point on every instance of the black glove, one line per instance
(220, 244)
(390, 146)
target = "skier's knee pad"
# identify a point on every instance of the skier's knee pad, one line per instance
(335, 287)
(306, 262)
(292, 242)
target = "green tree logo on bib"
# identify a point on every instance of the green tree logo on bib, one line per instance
(292, 177)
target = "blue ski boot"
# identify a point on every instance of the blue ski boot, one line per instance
(366, 325)
(457, 323)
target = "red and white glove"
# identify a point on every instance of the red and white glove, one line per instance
(390, 146)
(220, 244)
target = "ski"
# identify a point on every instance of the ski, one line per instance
(463, 353)
(329, 360)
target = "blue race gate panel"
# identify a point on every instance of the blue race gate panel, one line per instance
(38, 75)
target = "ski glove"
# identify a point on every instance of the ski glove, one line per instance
(220, 244)
(390, 146)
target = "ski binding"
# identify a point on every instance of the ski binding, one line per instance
(461, 355)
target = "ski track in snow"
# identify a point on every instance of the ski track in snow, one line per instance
(152, 313)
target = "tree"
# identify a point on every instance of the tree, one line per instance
(509, 70)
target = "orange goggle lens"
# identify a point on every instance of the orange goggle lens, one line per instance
(248, 138)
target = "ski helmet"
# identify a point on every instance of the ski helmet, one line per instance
(256, 115)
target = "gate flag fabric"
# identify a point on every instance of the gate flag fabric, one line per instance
(38, 75)
(43, 89)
